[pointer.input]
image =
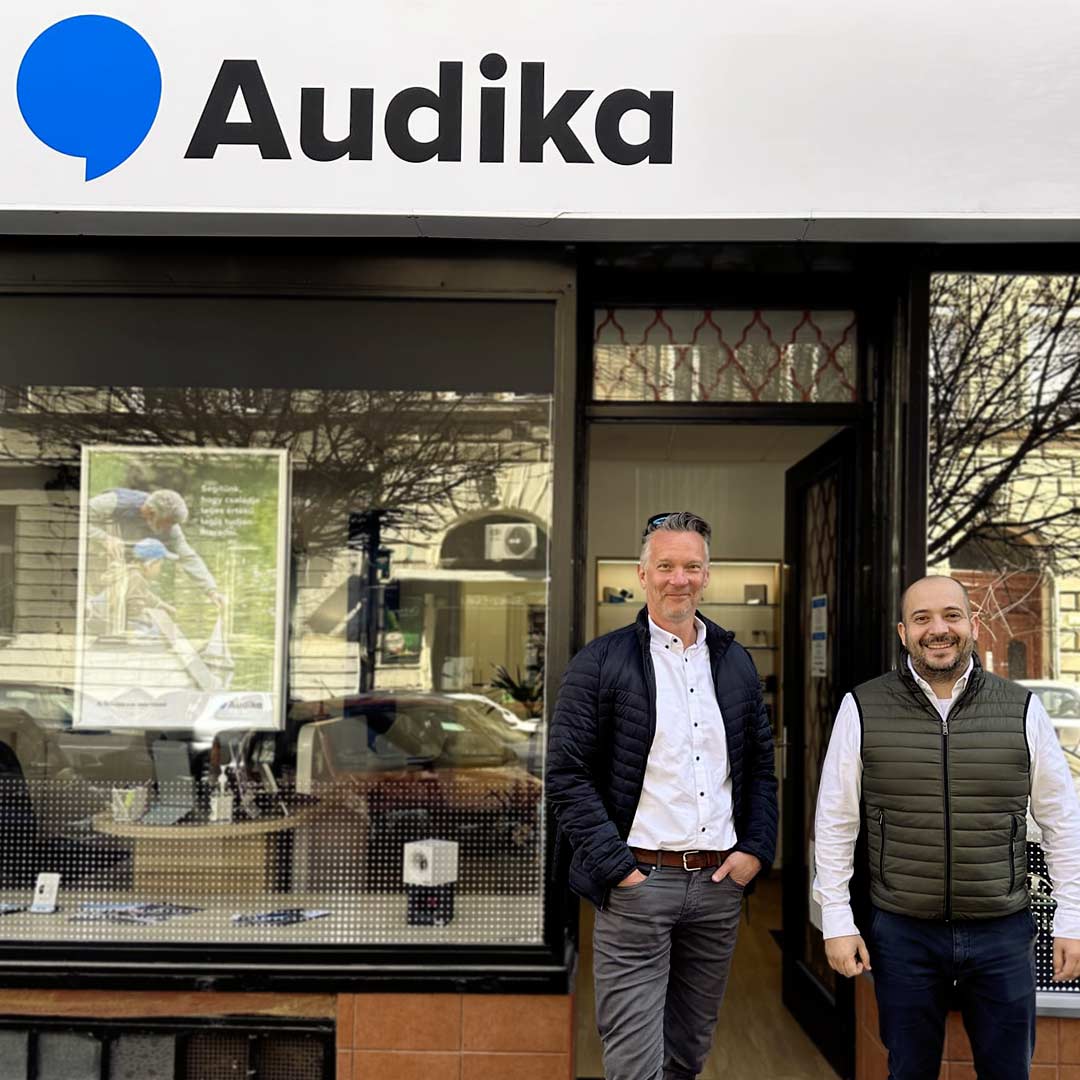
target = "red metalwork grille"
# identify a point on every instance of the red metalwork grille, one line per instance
(688, 354)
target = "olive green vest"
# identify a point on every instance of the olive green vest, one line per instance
(945, 804)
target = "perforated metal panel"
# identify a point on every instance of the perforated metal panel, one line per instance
(328, 872)
(1042, 906)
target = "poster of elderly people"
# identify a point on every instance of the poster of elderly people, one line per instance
(182, 587)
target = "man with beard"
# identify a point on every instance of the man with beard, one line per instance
(938, 759)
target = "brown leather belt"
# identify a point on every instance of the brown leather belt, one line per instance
(684, 860)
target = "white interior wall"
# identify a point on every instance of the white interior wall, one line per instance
(733, 476)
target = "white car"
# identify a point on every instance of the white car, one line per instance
(1062, 703)
(515, 722)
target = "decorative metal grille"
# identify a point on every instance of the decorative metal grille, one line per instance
(684, 354)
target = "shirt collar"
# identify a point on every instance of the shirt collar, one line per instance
(658, 633)
(928, 690)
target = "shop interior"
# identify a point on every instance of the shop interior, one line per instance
(733, 475)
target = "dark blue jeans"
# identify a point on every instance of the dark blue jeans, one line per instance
(983, 967)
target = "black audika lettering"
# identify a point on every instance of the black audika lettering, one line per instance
(262, 130)
(538, 128)
(659, 107)
(492, 110)
(446, 104)
(313, 141)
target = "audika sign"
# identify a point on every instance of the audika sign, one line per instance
(492, 119)
(91, 86)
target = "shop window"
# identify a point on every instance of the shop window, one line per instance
(254, 691)
(683, 354)
(7, 569)
(1004, 477)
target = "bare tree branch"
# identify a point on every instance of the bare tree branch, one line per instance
(1004, 416)
(408, 453)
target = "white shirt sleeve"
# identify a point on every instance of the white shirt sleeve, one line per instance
(836, 825)
(1056, 809)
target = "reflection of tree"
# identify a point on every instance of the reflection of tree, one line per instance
(407, 452)
(1004, 420)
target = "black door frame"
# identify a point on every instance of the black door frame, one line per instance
(828, 1018)
(888, 288)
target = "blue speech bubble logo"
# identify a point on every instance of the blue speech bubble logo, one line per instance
(90, 87)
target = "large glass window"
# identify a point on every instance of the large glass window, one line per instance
(1004, 477)
(271, 659)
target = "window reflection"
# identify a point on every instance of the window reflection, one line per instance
(412, 705)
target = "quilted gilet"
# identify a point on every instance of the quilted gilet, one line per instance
(598, 746)
(945, 802)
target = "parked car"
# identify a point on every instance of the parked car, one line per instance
(523, 736)
(1062, 703)
(402, 766)
(65, 771)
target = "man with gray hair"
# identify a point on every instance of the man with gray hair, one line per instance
(120, 517)
(660, 772)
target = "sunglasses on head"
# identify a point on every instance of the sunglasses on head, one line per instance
(656, 521)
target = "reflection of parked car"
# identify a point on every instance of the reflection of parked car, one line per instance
(528, 725)
(53, 777)
(406, 747)
(1060, 699)
(410, 765)
(1062, 703)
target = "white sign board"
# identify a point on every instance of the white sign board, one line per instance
(546, 121)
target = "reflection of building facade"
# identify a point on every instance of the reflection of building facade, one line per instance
(1004, 377)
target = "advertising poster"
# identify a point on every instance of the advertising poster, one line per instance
(183, 563)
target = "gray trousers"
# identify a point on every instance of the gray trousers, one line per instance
(662, 951)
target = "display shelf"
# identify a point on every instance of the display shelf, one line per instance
(757, 625)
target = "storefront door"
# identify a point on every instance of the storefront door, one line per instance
(820, 549)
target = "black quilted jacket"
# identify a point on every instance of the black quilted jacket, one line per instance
(603, 726)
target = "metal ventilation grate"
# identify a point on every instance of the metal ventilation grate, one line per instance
(51, 1049)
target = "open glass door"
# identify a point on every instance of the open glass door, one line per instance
(820, 549)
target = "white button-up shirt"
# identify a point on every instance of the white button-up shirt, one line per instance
(686, 797)
(1054, 806)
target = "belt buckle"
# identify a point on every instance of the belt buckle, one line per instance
(690, 869)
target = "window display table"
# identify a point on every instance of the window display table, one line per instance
(243, 858)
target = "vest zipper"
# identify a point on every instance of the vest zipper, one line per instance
(948, 823)
(881, 852)
(1012, 853)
